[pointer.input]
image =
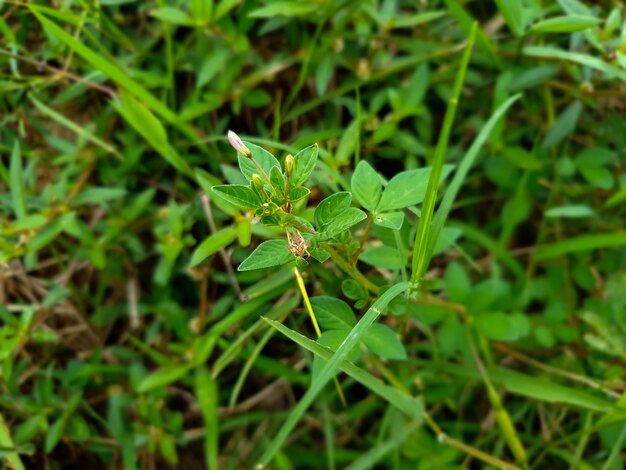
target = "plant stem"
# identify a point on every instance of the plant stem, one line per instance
(443, 437)
(366, 233)
(350, 270)
(309, 307)
(267, 178)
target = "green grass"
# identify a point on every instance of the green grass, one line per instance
(458, 227)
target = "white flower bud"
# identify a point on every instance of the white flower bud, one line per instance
(238, 144)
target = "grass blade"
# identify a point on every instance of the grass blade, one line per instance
(408, 405)
(17, 182)
(580, 243)
(459, 177)
(424, 233)
(73, 126)
(330, 369)
(206, 392)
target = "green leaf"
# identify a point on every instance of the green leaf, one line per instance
(298, 193)
(384, 342)
(513, 13)
(547, 52)
(54, 434)
(597, 176)
(410, 406)
(305, 163)
(353, 290)
(331, 207)
(238, 195)
(581, 243)
(332, 339)
(320, 254)
(347, 144)
(150, 128)
(289, 8)
(343, 221)
(267, 254)
(332, 313)
(323, 73)
(265, 160)
(335, 362)
(581, 210)
(10, 458)
(565, 24)
(502, 327)
(206, 392)
(455, 185)
(392, 220)
(366, 185)
(163, 377)
(383, 257)
(447, 237)
(98, 195)
(172, 15)
(533, 387)
(407, 189)
(278, 182)
(17, 182)
(71, 125)
(457, 283)
(575, 7)
(201, 11)
(112, 70)
(214, 243)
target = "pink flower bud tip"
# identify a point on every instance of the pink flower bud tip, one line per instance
(238, 144)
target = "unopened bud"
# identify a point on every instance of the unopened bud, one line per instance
(290, 164)
(257, 181)
(238, 144)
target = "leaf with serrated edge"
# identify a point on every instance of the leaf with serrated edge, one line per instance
(265, 160)
(237, 194)
(331, 207)
(305, 163)
(333, 314)
(366, 186)
(407, 189)
(267, 254)
(344, 221)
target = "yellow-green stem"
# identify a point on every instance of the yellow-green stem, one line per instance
(350, 270)
(309, 307)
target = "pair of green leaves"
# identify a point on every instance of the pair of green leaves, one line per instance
(405, 189)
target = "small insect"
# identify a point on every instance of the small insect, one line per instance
(297, 244)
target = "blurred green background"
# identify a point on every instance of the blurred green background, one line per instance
(115, 353)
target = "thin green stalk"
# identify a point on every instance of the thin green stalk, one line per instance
(441, 436)
(420, 247)
(350, 270)
(502, 415)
